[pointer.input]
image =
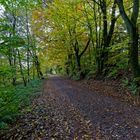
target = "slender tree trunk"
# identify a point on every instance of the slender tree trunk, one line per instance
(12, 52)
(33, 70)
(14, 67)
(69, 64)
(21, 70)
(28, 44)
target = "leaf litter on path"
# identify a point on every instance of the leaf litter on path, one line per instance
(67, 111)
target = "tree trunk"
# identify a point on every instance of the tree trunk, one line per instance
(39, 72)
(28, 44)
(134, 53)
(21, 70)
(131, 26)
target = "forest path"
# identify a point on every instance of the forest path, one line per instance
(113, 118)
(67, 111)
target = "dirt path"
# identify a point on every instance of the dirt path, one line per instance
(67, 111)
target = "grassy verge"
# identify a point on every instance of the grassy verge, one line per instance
(12, 99)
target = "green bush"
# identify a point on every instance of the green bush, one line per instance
(113, 73)
(12, 99)
(125, 82)
(131, 85)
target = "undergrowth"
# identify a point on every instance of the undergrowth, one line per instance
(130, 84)
(13, 99)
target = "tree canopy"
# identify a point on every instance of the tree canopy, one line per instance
(78, 38)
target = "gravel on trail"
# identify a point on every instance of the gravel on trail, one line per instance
(67, 111)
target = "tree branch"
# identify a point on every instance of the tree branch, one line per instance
(124, 15)
(85, 48)
(113, 21)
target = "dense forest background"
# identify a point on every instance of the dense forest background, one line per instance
(74, 37)
(77, 38)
